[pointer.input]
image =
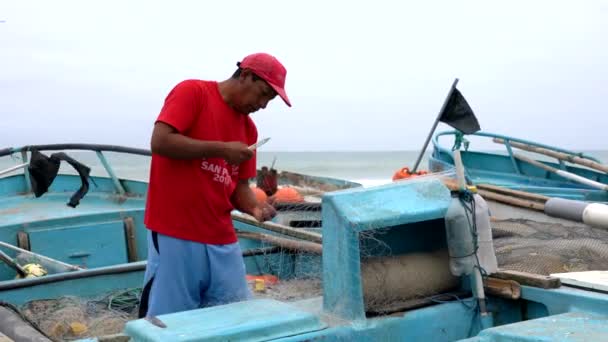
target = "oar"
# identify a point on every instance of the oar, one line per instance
(9, 261)
(512, 200)
(564, 174)
(514, 193)
(559, 155)
(40, 257)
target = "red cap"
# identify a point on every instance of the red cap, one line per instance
(268, 68)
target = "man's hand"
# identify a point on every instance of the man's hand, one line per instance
(236, 152)
(264, 212)
(244, 200)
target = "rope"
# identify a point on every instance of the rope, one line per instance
(459, 141)
(125, 301)
(470, 304)
(471, 215)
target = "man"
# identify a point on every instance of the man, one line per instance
(267, 181)
(200, 169)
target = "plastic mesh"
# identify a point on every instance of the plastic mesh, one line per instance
(545, 248)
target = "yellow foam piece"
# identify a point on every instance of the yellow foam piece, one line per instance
(78, 328)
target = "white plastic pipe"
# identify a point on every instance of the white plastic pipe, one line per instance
(564, 174)
(13, 168)
(596, 215)
(582, 180)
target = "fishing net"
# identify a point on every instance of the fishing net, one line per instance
(294, 262)
(407, 266)
(397, 271)
(71, 318)
(285, 269)
(392, 269)
(546, 248)
(289, 290)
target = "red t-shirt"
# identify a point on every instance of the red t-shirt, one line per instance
(190, 199)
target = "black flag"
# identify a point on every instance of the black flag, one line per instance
(459, 115)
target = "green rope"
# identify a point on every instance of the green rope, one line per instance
(124, 301)
(459, 141)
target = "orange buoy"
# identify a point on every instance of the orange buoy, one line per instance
(405, 172)
(260, 195)
(288, 195)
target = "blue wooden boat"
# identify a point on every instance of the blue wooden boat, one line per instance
(104, 236)
(99, 246)
(505, 170)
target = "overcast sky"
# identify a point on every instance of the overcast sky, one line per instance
(362, 75)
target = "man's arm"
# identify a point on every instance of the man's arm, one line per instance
(244, 200)
(168, 142)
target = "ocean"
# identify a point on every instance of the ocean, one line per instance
(367, 168)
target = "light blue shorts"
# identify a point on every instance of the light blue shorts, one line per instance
(184, 275)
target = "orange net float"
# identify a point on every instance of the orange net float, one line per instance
(405, 173)
(260, 195)
(287, 195)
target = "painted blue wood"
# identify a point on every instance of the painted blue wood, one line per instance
(565, 299)
(88, 246)
(12, 185)
(572, 326)
(7, 272)
(441, 323)
(347, 214)
(389, 205)
(255, 320)
(53, 209)
(90, 287)
(26, 214)
(456, 322)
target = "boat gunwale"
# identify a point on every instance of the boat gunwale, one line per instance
(440, 148)
(70, 275)
(76, 146)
